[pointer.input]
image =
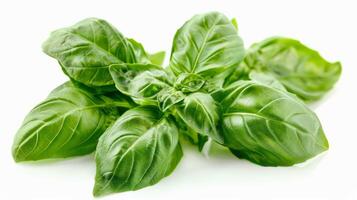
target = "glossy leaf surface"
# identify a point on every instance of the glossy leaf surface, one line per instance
(140, 149)
(266, 79)
(86, 49)
(141, 56)
(300, 69)
(200, 112)
(168, 97)
(142, 82)
(268, 126)
(189, 83)
(68, 123)
(207, 45)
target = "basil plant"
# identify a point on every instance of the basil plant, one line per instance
(123, 104)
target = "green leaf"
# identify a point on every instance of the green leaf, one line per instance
(189, 83)
(204, 143)
(300, 69)
(268, 126)
(266, 79)
(168, 97)
(147, 84)
(68, 123)
(142, 82)
(145, 58)
(140, 149)
(235, 23)
(200, 112)
(186, 133)
(240, 73)
(157, 58)
(140, 54)
(86, 49)
(207, 45)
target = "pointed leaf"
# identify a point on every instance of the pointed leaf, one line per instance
(140, 149)
(200, 112)
(207, 45)
(268, 126)
(157, 58)
(86, 49)
(68, 123)
(300, 69)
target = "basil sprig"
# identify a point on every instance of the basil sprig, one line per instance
(123, 104)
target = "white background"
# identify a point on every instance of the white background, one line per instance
(27, 75)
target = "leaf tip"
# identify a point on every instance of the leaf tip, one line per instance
(98, 190)
(326, 145)
(234, 23)
(15, 154)
(101, 186)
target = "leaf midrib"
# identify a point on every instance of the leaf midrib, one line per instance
(204, 44)
(126, 152)
(265, 118)
(94, 44)
(59, 117)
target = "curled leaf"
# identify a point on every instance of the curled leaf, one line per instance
(142, 82)
(300, 69)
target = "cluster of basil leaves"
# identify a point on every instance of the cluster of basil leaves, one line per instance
(123, 105)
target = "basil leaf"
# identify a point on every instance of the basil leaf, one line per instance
(266, 79)
(207, 45)
(235, 23)
(200, 112)
(68, 123)
(140, 149)
(168, 97)
(145, 58)
(300, 69)
(240, 73)
(86, 49)
(268, 126)
(189, 83)
(147, 84)
(140, 54)
(157, 58)
(142, 82)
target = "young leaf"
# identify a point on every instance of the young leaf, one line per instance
(189, 83)
(207, 45)
(140, 149)
(235, 23)
(140, 54)
(145, 58)
(86, 49)
(300, 69)
(268, 126)
(157, 58)
(200, 112)
(68, 123)
(142, 82)
(168, 97)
